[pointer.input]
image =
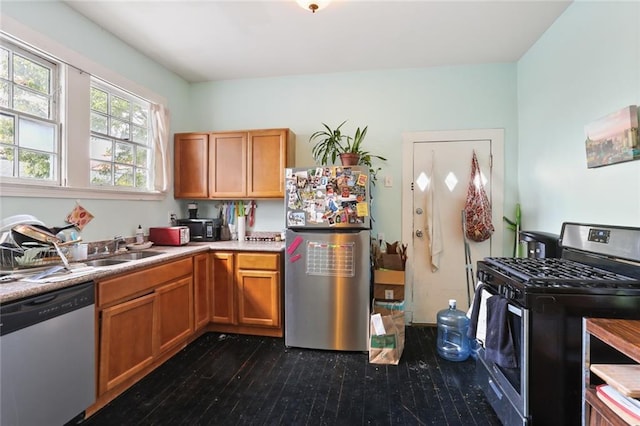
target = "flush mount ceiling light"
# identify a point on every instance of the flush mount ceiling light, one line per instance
(313, 5)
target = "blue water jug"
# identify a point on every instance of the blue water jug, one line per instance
(453, 343)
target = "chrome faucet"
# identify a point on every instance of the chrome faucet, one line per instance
(117, 241)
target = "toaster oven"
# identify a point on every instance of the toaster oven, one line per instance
(169, 235)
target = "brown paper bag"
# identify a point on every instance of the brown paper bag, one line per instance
(387, 348)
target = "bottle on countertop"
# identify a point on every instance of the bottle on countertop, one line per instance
(139, 235)
(453, 343)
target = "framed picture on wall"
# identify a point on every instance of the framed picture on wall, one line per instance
(613, 139)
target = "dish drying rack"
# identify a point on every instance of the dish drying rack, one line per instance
(15, 258)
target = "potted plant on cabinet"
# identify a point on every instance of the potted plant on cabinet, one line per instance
(332, 143)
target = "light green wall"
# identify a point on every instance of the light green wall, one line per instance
(60, 23)
(586, 66)
(389, 102)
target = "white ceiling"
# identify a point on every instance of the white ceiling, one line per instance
(222, 40)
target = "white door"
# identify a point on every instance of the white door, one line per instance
(444, 160)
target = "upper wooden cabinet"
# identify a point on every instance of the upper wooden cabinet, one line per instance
(232, 165)
(191, 165)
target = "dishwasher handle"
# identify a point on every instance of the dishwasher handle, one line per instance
(41, 300)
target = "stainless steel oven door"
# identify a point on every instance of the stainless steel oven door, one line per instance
(507, 388)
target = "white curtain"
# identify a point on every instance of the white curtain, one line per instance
(160, 130)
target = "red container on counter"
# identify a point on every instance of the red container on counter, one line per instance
(169, 235)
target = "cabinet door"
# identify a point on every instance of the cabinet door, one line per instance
(228, 159)
(175, 312)
(267, 159)
(127, 341)
(201, 293)
(223, 299)
(258, 297)
(191, 165)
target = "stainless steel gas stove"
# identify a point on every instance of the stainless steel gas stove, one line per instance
(598, 275)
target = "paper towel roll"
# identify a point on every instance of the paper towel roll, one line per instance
(242, 231)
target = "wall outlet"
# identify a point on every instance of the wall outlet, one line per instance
(172, 217)
(381, 238)
(388, 181)
(388, 294)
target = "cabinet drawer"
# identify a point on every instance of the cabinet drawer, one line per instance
(135, 283)
(261, 261)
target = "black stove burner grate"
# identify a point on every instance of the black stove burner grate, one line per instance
(554, 271)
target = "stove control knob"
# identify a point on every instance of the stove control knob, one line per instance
(419, 233)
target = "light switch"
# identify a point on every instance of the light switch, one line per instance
(388, 181)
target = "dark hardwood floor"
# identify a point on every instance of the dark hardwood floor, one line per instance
(246, 380)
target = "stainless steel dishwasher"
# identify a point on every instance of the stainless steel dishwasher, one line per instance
(47, 357)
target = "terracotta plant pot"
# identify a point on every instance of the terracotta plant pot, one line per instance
(349, 159)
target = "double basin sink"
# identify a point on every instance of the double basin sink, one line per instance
(122, 258)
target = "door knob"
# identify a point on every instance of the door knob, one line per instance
(419, 233)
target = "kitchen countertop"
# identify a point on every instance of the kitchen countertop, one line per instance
(19, 289)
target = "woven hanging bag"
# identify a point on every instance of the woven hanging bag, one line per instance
(477, 208)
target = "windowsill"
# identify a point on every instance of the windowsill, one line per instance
(37, 191)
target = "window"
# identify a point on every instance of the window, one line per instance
(121, 154)
(29, 126)
(70, 128)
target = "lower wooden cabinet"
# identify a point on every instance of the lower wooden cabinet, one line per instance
(247, 293)
(223, 306)
(201, 290)
(142, 315)
(175, 312)
(128, 342)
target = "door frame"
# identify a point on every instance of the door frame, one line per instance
(496, 136)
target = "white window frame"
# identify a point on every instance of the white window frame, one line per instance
(133, 99)
(75, 108)
(53, 119)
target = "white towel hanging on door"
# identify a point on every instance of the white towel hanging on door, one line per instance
(434, 227)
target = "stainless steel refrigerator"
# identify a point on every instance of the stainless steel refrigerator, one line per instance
(327, 258)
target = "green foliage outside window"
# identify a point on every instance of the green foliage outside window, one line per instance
(120, 139)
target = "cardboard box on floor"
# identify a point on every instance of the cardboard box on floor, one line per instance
(388, 285)
(389, 281)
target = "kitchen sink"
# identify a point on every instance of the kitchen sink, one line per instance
(104, 262)
(136, 255)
